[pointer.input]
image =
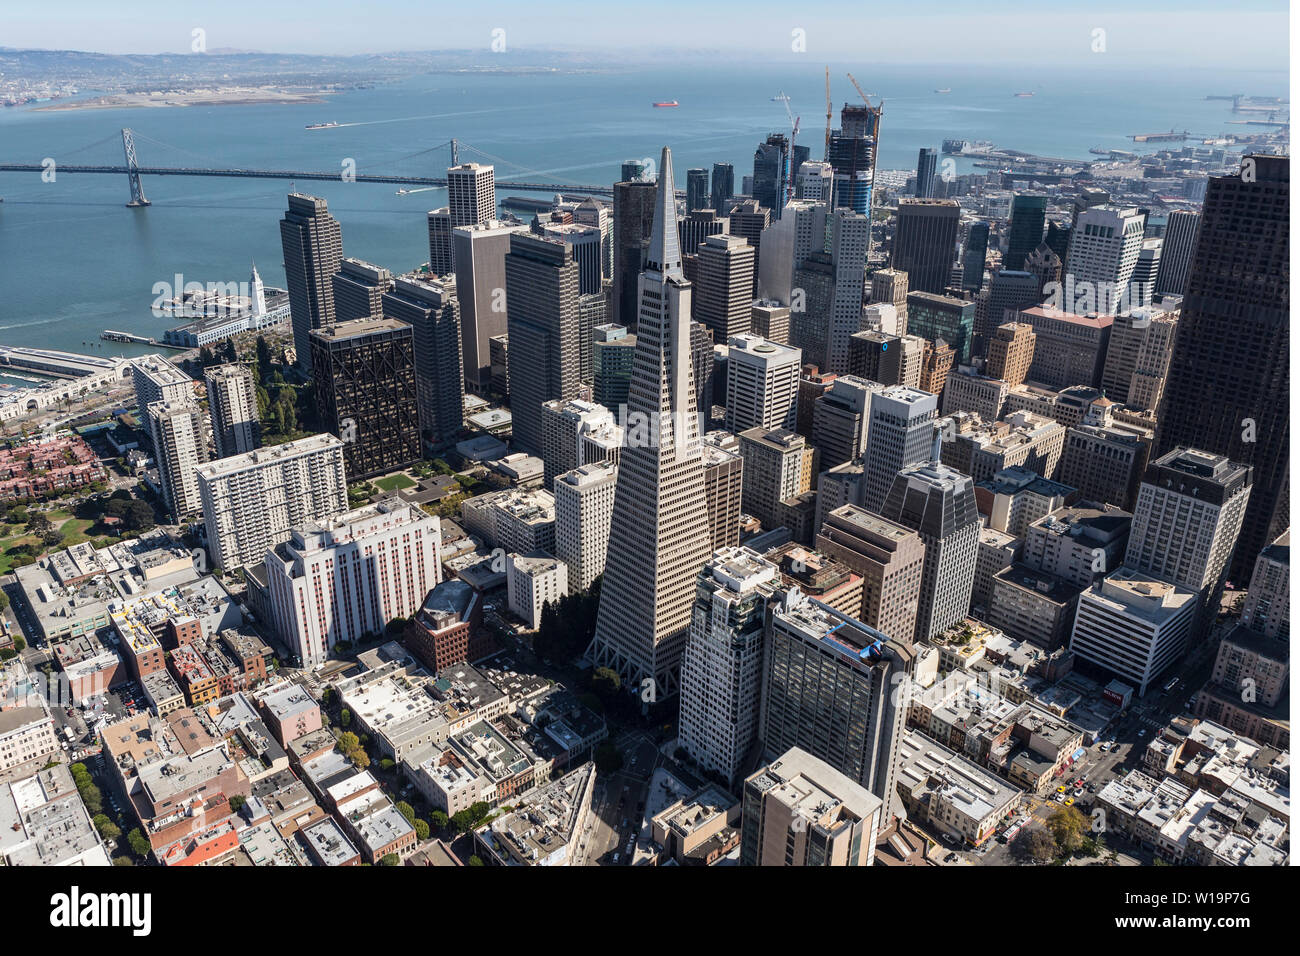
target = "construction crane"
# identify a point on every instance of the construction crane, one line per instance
(826, 154)
(794, 132)
(859, 89)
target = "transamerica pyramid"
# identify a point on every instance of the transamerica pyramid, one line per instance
(659, 537)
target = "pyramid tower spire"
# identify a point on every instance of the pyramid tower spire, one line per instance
(665, 253)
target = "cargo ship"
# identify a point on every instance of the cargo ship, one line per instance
(1025, 94)
(666, 103)
(946, 89)
(322, 126)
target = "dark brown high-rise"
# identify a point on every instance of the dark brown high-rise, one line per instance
(634, 208)
(312, 242)
(364, 373)
(1228, 379)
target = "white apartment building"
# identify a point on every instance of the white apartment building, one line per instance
(564, 423)
(533, 581)
(584, 506)
(158, 380)
(26, 733)
(180, 446)
(762, 383)
(340, 578)
(232, 403)
(524, 521)
(251, 502)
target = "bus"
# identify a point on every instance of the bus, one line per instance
(1171, 685)
(1011, 831)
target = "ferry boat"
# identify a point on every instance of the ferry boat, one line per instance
(329, 125)
(946, 89)
(1025, 94)
(666, 103)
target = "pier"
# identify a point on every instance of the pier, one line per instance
(112, 335)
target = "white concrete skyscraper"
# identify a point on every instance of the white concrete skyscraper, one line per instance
(658, 542)
(232, 403)
(584, 507)
(1188, 516)
(1104, 250)
(180, 446)
(722, 669)
(899, 433)
(252, 501)
(762, 384)
(349, 575)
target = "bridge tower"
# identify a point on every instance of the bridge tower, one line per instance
(133, 169)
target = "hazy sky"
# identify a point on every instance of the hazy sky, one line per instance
(1236, 34)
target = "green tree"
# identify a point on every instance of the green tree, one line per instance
(345, 717)
(140, 845)
(139, 516)
(106, 827)
(1069, 828)
(475, 861)
(263, 358)
(405, 810)
(1037, 845)
(348, 742)
(421, 830)
(438, 819)
(390, 859)
(237, 803)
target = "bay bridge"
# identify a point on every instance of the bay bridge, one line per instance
(134, 172)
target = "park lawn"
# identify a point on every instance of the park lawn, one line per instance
(394, 482)
(6, 559)
(74, 532)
